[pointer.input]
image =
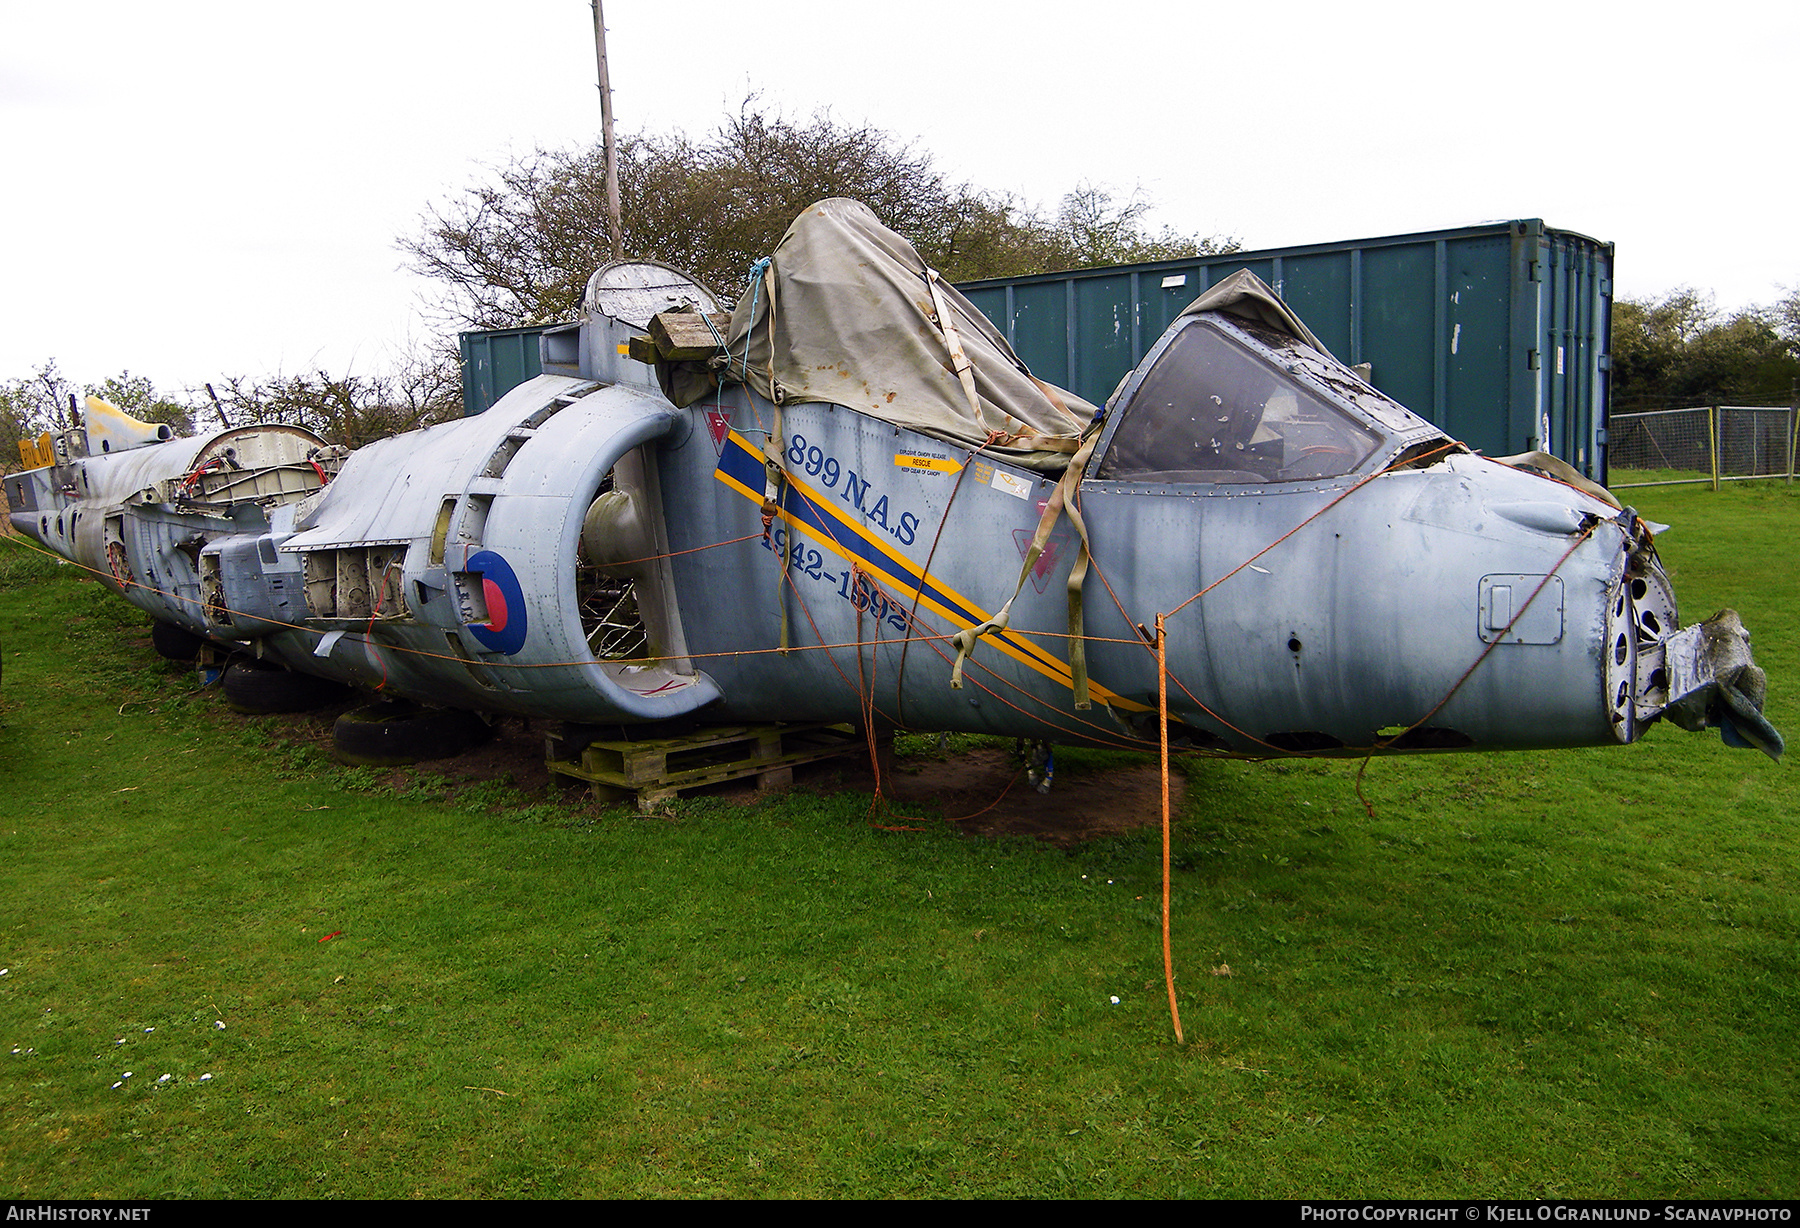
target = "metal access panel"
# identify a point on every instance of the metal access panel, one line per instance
(1500, 334)
(1515, 609)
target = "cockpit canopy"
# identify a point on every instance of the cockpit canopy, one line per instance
(1232, 401)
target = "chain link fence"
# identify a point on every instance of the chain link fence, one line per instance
(1709, 443)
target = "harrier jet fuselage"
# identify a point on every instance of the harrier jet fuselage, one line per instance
(852, 503)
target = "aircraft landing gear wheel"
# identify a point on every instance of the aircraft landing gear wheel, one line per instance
(174, 643)
(392, 735)
(259, 690)
(1040, 762)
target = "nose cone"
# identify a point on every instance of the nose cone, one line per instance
(1506, 582)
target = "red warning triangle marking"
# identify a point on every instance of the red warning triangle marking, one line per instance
(718, 424)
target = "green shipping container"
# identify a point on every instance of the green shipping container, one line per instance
(496, 361)
(1500, 334)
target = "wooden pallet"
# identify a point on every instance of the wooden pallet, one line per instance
(657, 769)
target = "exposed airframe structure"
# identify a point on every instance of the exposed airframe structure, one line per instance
(852, 502)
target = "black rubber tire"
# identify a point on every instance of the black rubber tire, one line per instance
(260, 690)
(392, 735)
(174, 643)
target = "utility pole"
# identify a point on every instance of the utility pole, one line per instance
(606, 128)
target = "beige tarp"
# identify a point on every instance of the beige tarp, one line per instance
(845, 313)
(1246, 295)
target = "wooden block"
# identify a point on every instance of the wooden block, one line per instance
(649, 799)
(685, 336)
(609, 793)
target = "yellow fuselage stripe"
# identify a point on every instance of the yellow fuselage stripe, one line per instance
(1025, 652)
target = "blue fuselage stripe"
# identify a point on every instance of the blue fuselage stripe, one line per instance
(745, 469)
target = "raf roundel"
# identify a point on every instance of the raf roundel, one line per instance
(504, 631)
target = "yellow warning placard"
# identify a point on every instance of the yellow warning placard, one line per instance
(933, 463)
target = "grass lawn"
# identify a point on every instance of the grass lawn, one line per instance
(1555, 974)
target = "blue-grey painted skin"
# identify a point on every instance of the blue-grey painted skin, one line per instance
(108, 511)
(445, 565)
(1363, 620)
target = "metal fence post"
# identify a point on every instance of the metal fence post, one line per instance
(1712, 442)
(1793, 430)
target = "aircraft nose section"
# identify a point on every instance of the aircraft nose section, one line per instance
(1471, 605)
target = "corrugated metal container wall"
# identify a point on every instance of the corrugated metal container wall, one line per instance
(494, 362)
(1499, 334)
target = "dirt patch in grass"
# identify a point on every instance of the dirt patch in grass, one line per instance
(982, 791)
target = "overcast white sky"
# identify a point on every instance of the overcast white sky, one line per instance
(196, 189)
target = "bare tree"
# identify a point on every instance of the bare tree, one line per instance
(518, 248)
(1097, 230)
(41, 402)
(351, 409)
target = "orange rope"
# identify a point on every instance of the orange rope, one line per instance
(652, 558)
(1162, 710)
(1009, 784)
(31, 544)
(1101, 736)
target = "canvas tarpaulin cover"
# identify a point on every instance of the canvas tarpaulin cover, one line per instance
(1246, 295)
(847, 312)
